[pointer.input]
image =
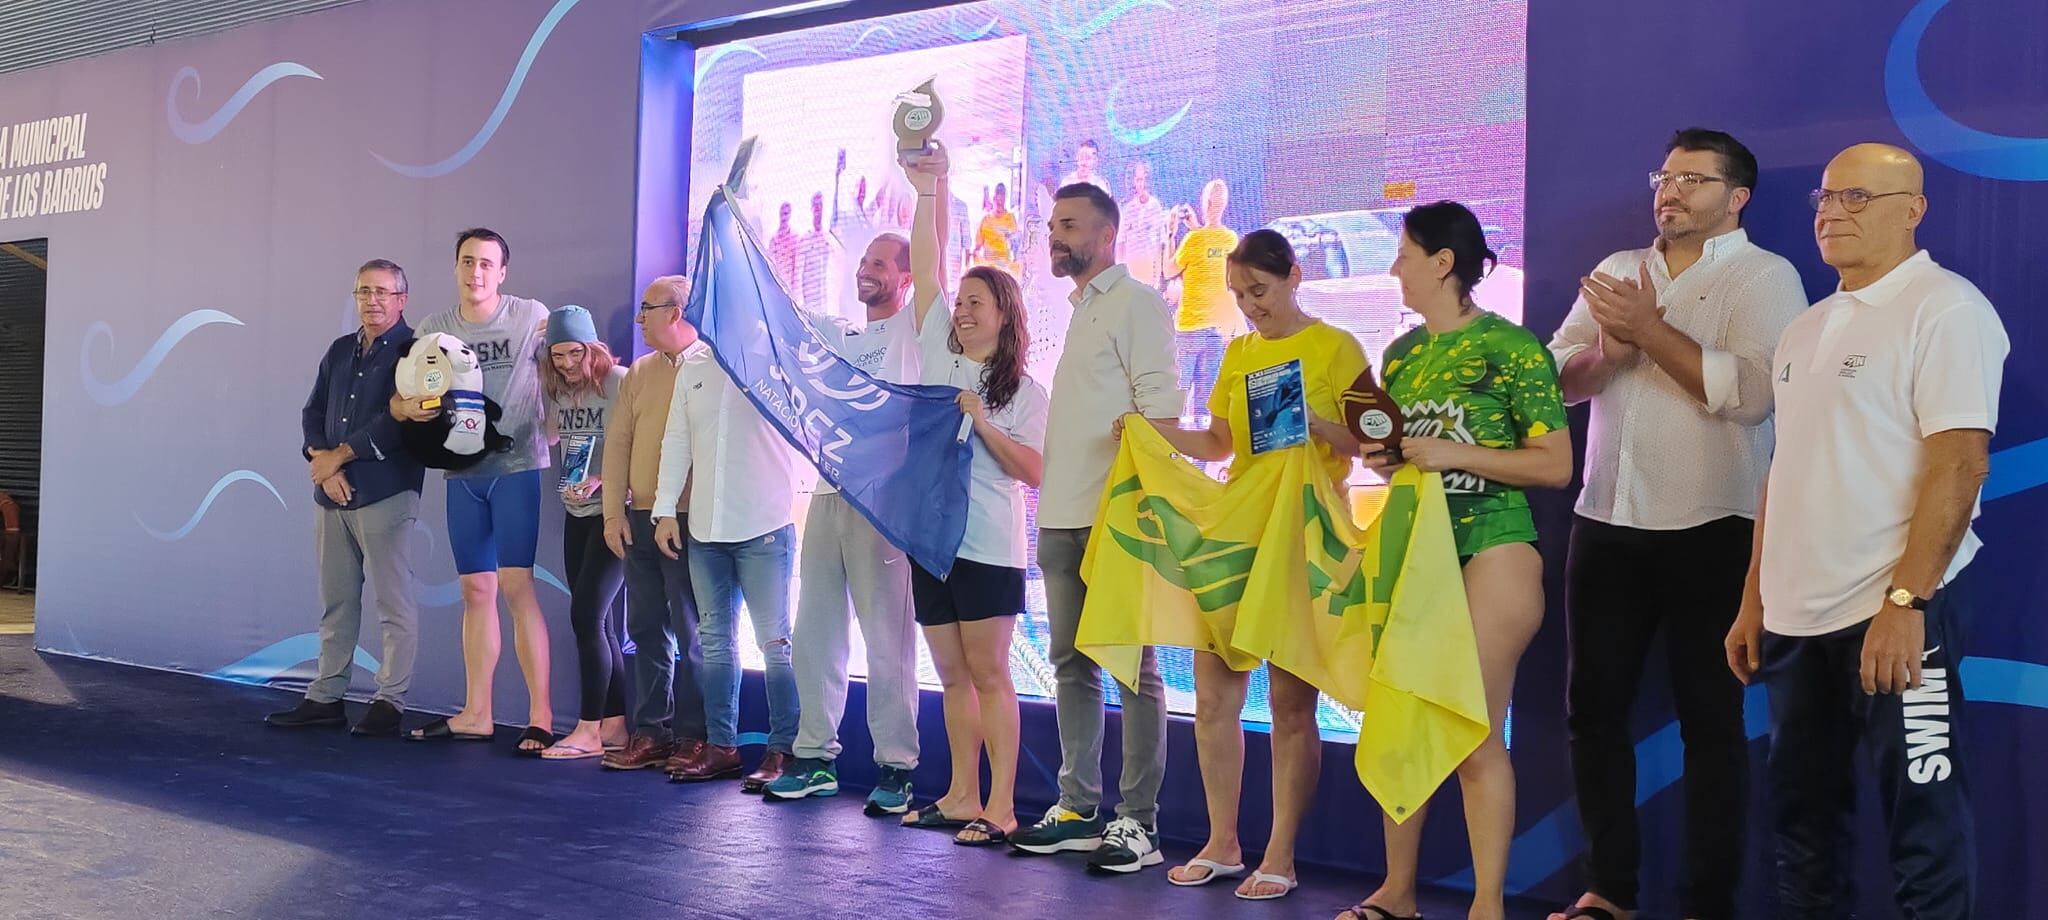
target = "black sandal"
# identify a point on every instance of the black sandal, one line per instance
(534, 733)
(1380, 913)
(438, 730)
(931, 818)
(991, 834)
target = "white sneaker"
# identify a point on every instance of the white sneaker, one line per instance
(1127, 847)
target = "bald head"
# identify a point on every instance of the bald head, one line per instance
(1868, 206)
(1871, 166)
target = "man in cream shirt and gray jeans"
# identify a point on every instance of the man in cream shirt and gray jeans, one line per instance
(1118, 359)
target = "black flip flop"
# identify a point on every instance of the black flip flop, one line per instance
(931, 818)
(1590, 912)
(534, 733)
(1381, 913)
(992, 835)
(438, 730)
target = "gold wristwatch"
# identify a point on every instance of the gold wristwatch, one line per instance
(1900, 597)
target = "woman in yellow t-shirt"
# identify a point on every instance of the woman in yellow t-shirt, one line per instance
(995, 238)
(1263, 277)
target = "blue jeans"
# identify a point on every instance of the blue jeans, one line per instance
(1200, 356)
(722, 574)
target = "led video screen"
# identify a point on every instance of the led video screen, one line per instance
(1323, 119)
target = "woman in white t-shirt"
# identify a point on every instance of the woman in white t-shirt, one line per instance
(980, 347)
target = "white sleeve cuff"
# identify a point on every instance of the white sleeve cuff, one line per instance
(1563, 354)
(1718, 379)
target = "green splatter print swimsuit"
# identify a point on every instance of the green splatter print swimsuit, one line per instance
(1490, 383)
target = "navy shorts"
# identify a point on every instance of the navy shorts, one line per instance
(973, 591)
(494, 521)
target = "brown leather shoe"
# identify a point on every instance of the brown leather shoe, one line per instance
(685, 751)
(712, 762)
(640, 752)
(770, 770)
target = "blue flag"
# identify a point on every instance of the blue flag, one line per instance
(893, 451)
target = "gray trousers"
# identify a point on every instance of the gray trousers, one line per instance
(844, 559)
(373, 541)
(1078, 695)
(661, 619)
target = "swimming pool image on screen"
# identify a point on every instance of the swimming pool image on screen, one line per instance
(1324, 120)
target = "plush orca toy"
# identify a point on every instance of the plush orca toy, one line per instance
(442, 368)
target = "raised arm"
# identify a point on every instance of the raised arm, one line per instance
(928, 175)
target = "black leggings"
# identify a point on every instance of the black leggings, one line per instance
(595, 577)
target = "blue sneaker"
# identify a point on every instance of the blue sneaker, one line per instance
(807, 778)
(892, 793)
(1061, 831)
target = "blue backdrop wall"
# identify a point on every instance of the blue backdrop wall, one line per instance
(245, 174)
(1965, 85)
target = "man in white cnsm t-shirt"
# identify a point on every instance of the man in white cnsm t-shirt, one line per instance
(1887, 395)
(849, 571)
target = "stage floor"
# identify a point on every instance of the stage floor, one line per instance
(126, 792)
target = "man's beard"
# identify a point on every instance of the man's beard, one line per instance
(1069, 264)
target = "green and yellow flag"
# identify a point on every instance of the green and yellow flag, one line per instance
(1272, 567)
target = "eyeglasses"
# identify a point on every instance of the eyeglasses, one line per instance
(1853, 200)
(1686, 181)
(376, 294)
(651, 307)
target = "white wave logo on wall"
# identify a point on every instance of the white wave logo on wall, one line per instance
(206, 504)
(203, 131)
(497, 117)
(120, 391)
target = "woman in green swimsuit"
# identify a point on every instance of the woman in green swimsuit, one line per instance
(1481, 400)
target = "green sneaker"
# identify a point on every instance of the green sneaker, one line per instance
(1061, 831)
(807, 778)
(891, 795)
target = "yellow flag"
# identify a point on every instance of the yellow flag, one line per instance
(1272, 567)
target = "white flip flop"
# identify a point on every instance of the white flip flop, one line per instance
(1216, 870)
(1287, 887)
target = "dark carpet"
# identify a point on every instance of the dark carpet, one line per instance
(126, 792)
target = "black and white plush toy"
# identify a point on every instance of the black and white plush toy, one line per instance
(442, 368)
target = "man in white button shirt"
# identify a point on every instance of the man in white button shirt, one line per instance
(1143, 229)
(1672, 345)
(1887, 396)
(742, 478)
(845, 558)
(1118, 359)
(1087, 158)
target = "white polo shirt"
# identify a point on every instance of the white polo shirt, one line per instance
(1860, 380)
